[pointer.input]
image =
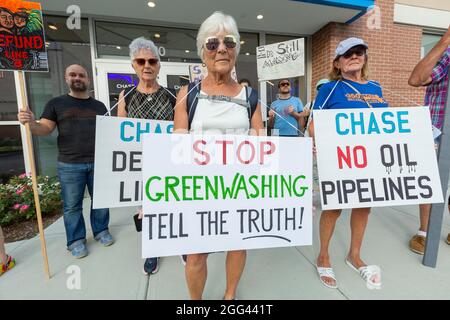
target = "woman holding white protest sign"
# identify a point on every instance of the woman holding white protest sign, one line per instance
(147, 100)
(220, 106)
(349, 88)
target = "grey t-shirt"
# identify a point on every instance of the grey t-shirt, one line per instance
(75, 119)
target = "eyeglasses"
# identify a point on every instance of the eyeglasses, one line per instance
(212, 43)
(141, 61)
(359, 52)
(285, 84)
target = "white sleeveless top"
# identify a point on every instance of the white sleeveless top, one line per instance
(221, 117)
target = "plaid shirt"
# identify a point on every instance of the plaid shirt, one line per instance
(436, 94)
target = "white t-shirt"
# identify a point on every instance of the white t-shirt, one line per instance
(221, 117)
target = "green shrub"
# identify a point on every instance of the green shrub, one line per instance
(17, 199)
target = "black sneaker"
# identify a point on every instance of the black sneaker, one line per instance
(151, 266)
(183, 258)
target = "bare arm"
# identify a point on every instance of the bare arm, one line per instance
(299, 115)
(421, 75)
(42, 127)
(296, 115)
(311, 129)
(121, 112)
(257, 124)
(302, 123)
(304, 120)
(181, 118)
(271, 118)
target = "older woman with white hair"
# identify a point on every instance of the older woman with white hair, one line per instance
(224, 106)
(148, 100)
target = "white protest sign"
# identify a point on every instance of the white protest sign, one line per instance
(281, 60)
(225, 192)
(118, 159)
(376, 157)
(198, 72)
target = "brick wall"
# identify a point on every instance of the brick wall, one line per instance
(394, 50)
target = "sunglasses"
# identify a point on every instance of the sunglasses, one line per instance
(212, 43)
(285, 84)
(141, 61)
(358, 52)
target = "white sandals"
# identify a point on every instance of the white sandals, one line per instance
(329, 273)
(371, 274)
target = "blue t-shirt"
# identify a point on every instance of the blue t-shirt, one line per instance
(286, 124)
(346, 97)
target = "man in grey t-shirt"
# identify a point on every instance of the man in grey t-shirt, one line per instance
(74, 114)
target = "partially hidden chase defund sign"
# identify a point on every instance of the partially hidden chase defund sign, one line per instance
(118, 159)
(22, 40)
(376, 157)
(208, 193)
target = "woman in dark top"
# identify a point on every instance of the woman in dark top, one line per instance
(148, 100)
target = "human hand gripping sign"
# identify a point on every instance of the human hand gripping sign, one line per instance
(271, 113)
(306, 111)
(290, 110)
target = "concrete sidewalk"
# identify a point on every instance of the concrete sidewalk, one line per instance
(288, 273)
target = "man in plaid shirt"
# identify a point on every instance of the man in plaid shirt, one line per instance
(433, 72)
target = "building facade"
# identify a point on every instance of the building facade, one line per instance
(96, 34)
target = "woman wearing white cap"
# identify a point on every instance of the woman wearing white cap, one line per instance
(349, 88)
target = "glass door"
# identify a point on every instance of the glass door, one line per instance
(113, 76)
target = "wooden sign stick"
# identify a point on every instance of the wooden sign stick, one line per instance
(34, 177)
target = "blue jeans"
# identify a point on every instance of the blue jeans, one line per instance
(73, 178)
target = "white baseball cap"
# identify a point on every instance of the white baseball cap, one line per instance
(347, 44)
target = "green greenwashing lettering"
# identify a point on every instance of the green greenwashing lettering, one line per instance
(186, 187)
(302, 188)
(255, 187)
(212, 189)
(265, 186)
(199, 188)
(159, 195)
(227, 192)
(286, 185)
(170, 185)
(241, 186)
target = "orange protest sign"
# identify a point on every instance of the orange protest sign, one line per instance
(22, 40)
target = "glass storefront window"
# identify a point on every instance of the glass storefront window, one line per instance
(11, 153)
(64, 47)
(428, 42)
(8, 98)
(174, 45)
(246, 62)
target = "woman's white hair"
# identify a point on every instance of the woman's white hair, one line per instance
(214, 24)
(142, 43)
